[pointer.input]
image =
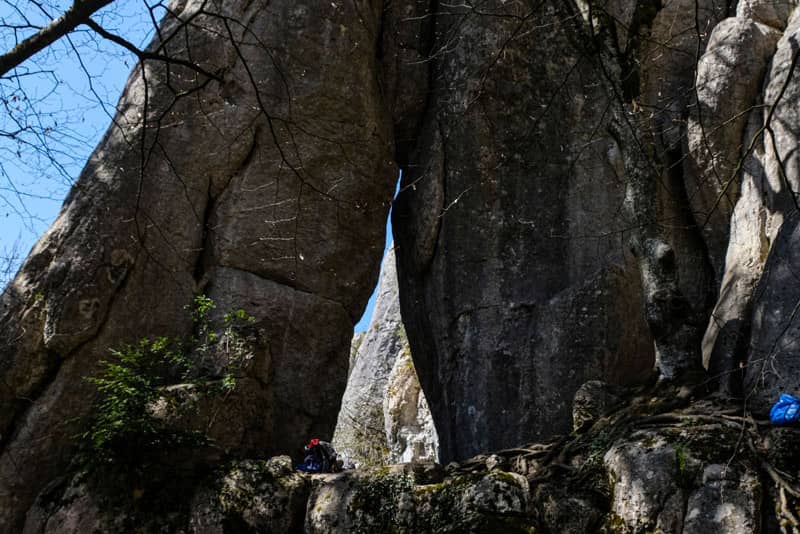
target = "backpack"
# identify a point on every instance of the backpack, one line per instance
(320, 457)
(330, 459)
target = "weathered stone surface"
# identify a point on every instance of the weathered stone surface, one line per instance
(506, 240)
(766, 198)
(773, 13)
(562, 511)
(593, 399)
(781, 93)
(245, 496)
(753, 226)
(377, 500)
(773, 365)
(678, 477)
(82, 514)
(408, 34)
(384, 417)
(275, 177)
(252, 497)
(410, 433)
(727, 503)
(674, 477)
(300, 373)
(678, 33)
(358, 337)
(678, 30)
(646, 491)
(729, 78)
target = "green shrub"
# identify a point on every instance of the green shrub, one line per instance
(123, 428)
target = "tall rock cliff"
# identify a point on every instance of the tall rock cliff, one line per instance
(384, 417)
(591, 190)
(261, 177)
(511, 232)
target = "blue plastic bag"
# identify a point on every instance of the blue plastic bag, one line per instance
(786, 411)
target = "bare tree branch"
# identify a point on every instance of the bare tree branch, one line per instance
(76, 15)
(144, 55)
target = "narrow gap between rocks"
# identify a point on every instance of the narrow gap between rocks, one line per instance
(366, 317)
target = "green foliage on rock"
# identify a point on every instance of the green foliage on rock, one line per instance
(125, 426)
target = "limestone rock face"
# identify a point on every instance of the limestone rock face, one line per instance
(265, 185)
(769, 175)
(646, 495)
(384, 417)
(773, 13)
(409, 429)
(508, 251)
(728, 502)
(672, 487)
(774, 357)
(265, 181)
(729, 77)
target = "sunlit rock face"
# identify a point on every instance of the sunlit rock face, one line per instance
(384, 416)
(265, 186)
(751, 334)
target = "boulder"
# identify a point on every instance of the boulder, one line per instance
(728, 502)
(647, 494)
(593, 400)
(389, 498)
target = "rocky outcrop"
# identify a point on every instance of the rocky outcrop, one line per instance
(659, 484)
(266, 496)
(384, 417)
(258, 177)
(655, 464)
(774, 355)
(768, 181)
(409, 429)
(729, 78)
(564, 163)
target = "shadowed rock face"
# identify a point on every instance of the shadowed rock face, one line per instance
(729, 78)
(509, 235)
(266, 188)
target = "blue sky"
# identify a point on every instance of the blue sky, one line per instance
(55, 111)
(363, 324)
(59, 107)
